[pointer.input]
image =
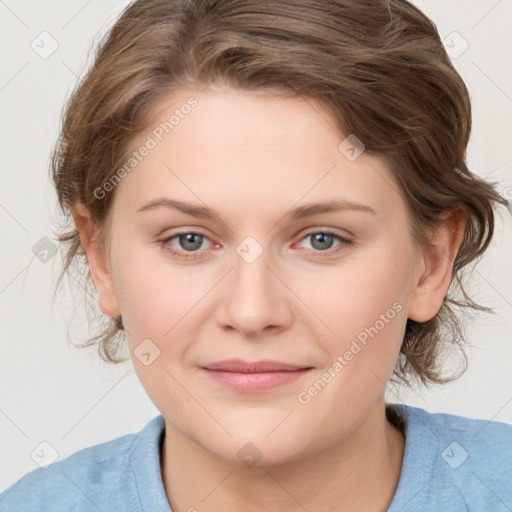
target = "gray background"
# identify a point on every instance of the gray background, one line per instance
(51, 392)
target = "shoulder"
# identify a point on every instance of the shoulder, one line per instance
(479, 441)
(468, 458)
(89, 479)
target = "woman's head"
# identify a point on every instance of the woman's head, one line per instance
(218, 250)
(254, 108)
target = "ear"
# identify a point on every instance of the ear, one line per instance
(98, 261)
(437, 262)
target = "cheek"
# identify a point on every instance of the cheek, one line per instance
(363, 311)
(156, 304)
(151, 298)
(368, 319)
(354, 296)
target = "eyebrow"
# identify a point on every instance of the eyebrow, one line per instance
(300, 212)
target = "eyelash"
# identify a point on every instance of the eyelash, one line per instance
(165, 243)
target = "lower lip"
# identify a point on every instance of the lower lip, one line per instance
(255, 381)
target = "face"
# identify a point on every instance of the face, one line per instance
(262, 278)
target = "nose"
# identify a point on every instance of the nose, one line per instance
(255, 298)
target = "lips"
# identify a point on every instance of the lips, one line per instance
(255, 377)
(240, 366)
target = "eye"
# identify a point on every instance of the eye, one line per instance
(322, 241)
(188, 242)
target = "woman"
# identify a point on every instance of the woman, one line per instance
(277, 213)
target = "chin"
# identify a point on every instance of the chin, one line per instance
(256, 451)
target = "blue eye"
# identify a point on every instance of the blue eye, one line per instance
(188, 240)
(322, 241)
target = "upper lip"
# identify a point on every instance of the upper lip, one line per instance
(240, 366)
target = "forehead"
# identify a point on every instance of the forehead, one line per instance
(226, 145)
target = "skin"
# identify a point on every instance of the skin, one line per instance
(252, 157)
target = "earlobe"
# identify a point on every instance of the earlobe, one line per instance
(437, 264)
(98, 261)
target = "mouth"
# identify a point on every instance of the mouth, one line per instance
(254, 376)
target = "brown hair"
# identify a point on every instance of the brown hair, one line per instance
(380, 67)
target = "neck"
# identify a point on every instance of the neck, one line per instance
(359, 473)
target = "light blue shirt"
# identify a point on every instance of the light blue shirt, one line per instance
(451, 464)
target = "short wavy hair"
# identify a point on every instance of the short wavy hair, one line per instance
(378, 65)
